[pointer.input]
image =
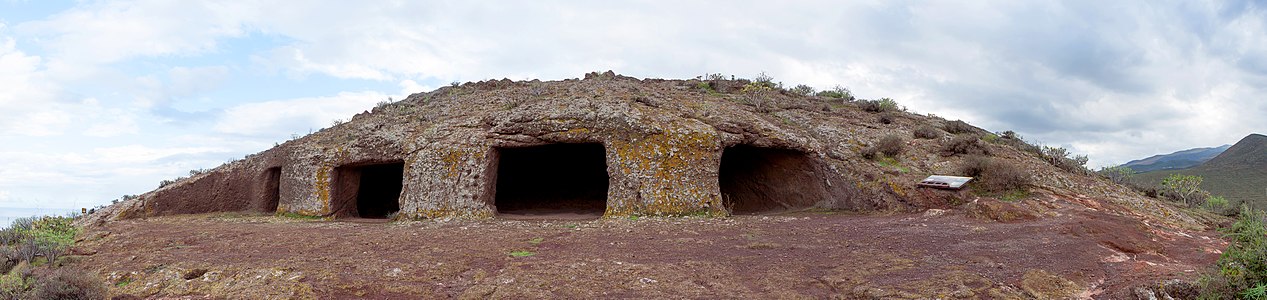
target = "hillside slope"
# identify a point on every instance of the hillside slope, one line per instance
(1177, 160)
(1239, 174)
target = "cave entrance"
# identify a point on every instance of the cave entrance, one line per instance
(756, 180)
(556, 181)
(272, 189)
(374, 189)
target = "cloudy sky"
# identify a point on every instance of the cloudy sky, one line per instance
(105, 98)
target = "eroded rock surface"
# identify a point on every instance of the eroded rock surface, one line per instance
(662, 140)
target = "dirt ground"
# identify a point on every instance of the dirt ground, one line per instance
(935, 254)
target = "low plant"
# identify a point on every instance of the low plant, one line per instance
(838, 92)
(1216, 204)
(887, 118)
(958, 127)
(926, 132)
(878, 106)
(803, 90)
(1060, 158)
(1242, 267)
(889, 145)
(1011, 138)
(964, 144)
(521, 253)
(67, 283)
(995, 176)
(1118, 174)
(292, 215)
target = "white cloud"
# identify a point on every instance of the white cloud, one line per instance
(281, 118)
(136, 90)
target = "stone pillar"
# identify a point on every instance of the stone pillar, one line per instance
(670, 172)
(450, 181)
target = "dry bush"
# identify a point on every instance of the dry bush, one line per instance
(995, 175)
(926, 132)
(964, 144)
(889, 145)
(67, 283)
(958, 127)
(887, 118)
(878, 106)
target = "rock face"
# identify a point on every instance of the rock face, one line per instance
(666, 147)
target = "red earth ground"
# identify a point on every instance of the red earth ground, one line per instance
(1070, 253)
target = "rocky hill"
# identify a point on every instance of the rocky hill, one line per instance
(668, 168)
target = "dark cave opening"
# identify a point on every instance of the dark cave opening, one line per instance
(272, 189)
(377, 188)
(558, 180)
(755, 180)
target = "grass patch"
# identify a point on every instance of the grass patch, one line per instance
(291, 215)
(890, 162)
(536, 240)
(521, 253)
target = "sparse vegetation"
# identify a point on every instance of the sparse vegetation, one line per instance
(1216, 204)
(878, 106)
(291, 215)
(995, 176)
(1242, 268)
(1184, 188)
(757, 94)
(926, 132)
(522, 253)
(958, 127)
(1013, 139)
(30, 262)
(889, 145)
(964, 144)
(838, 92)
(1118, 174)
(803, 90)
(887, 118)
(1060, 158)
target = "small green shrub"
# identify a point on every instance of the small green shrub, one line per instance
(889, 145)
(964, 144)
(838, 92)
(1060, 158)
(959, 127)
(803, 90)
(1215, 203)
(878, 106)
(926, 132)
(1242, 268)
(1118, 174)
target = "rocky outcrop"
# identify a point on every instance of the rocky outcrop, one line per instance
(663, 142)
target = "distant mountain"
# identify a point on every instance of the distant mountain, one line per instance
(1178, 160)
(1239, 173)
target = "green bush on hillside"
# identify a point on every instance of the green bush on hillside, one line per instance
(1242, 268)
(24, 276)
(878, 106)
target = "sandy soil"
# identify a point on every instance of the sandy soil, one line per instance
(803, 255)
